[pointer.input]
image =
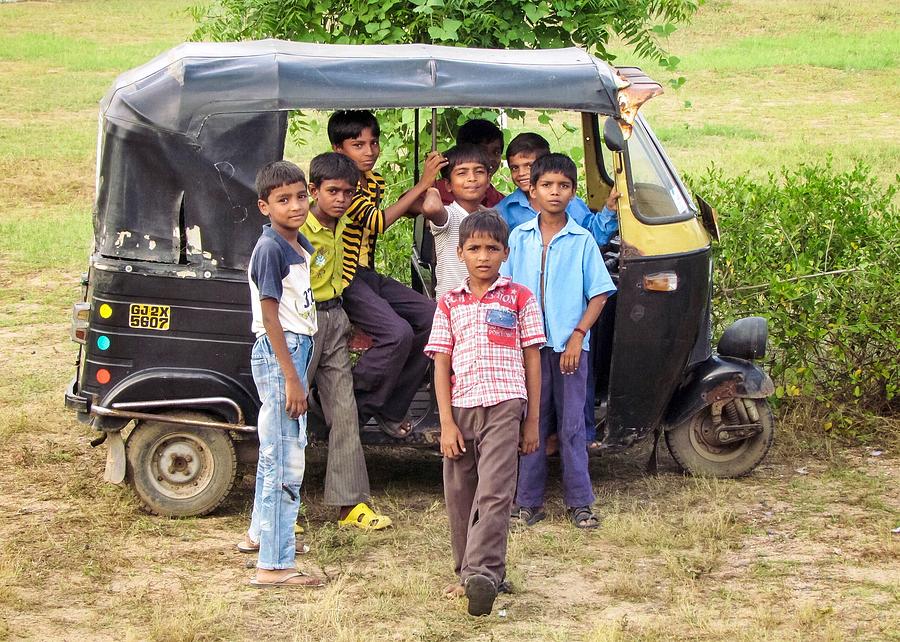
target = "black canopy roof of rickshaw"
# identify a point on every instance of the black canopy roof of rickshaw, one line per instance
(177, 90)
(181, 137)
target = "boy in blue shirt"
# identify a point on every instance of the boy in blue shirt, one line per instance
(284, 320)
(559, 261)
(517, 208)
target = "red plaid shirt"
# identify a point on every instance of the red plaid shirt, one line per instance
(484, 338)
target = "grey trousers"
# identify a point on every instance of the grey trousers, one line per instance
(480, 485)
(346, 478)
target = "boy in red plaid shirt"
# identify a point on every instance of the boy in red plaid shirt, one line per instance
(488, 397)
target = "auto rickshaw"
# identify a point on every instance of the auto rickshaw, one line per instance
(164, 326)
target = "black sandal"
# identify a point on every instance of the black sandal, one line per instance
(583, 517)
(396, 429)
(523, 516)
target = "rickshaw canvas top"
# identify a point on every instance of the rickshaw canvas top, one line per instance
(177, 90)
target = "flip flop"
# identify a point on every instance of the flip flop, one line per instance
(307, 581)
(243, 547)
(365, 518)
(397, 429)
(523, 516)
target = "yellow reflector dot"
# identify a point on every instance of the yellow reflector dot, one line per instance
(105, 311)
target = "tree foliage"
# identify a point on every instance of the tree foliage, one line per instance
(506, 24)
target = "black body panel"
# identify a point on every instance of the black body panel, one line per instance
(205, 352)
(655, 333)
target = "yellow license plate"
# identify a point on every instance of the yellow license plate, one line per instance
(149, 317)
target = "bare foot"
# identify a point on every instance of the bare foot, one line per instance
(432, 204)
(454, 590)
(552, 444)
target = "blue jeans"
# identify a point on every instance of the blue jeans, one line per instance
(282, 458)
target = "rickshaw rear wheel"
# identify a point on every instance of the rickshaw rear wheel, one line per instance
(694, 446)
(178, 470)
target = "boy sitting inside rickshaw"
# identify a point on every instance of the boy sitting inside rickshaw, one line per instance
(396, 317)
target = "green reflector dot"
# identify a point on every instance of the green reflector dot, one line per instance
(103, 342)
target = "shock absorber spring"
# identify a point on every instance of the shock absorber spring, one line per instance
(731, 414)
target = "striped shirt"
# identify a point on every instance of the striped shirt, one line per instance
(484, 338)
(365, 222)
(449, 270)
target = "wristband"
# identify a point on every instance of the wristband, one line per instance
(579, 330)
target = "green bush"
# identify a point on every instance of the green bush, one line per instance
(814, 251)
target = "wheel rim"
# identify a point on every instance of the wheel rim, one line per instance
(702, 435)
(180, 466)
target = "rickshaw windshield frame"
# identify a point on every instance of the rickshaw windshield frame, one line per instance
(664, 170)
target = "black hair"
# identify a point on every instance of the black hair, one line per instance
(346, 124)
(276, 174)
(484, 221)
(559, 163)
(528, 143)
(332, 166)
(478, 131)
(464, 154)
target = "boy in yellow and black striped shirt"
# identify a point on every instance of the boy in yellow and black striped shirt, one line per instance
(396, 317)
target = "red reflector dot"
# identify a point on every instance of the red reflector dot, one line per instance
(103, 375)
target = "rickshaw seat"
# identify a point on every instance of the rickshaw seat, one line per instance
(359, 341)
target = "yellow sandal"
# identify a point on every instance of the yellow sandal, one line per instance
(365, 518)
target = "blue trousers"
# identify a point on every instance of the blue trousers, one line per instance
(562, 406)
(282, 454)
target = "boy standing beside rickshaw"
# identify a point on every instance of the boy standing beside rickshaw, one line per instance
(333, 181)
(558, 259)
(284, 321)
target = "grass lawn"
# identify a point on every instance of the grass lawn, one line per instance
(801, 550)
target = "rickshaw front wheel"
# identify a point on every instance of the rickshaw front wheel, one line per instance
(696, 445)
(178, 470)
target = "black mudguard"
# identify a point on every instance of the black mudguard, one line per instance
(177, 383)
(713, 380)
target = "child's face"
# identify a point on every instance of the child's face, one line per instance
(482, 254)
(520, 169)
(552, 192)
(469, 182)
(286, 207)
(494, 152)
(332, 196)
(362, 150)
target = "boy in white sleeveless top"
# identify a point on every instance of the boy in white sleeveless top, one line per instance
(468, 175)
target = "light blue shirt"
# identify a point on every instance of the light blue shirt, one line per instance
(515, 210)
(573, 274)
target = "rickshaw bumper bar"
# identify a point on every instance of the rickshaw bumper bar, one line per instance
(133, 410)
